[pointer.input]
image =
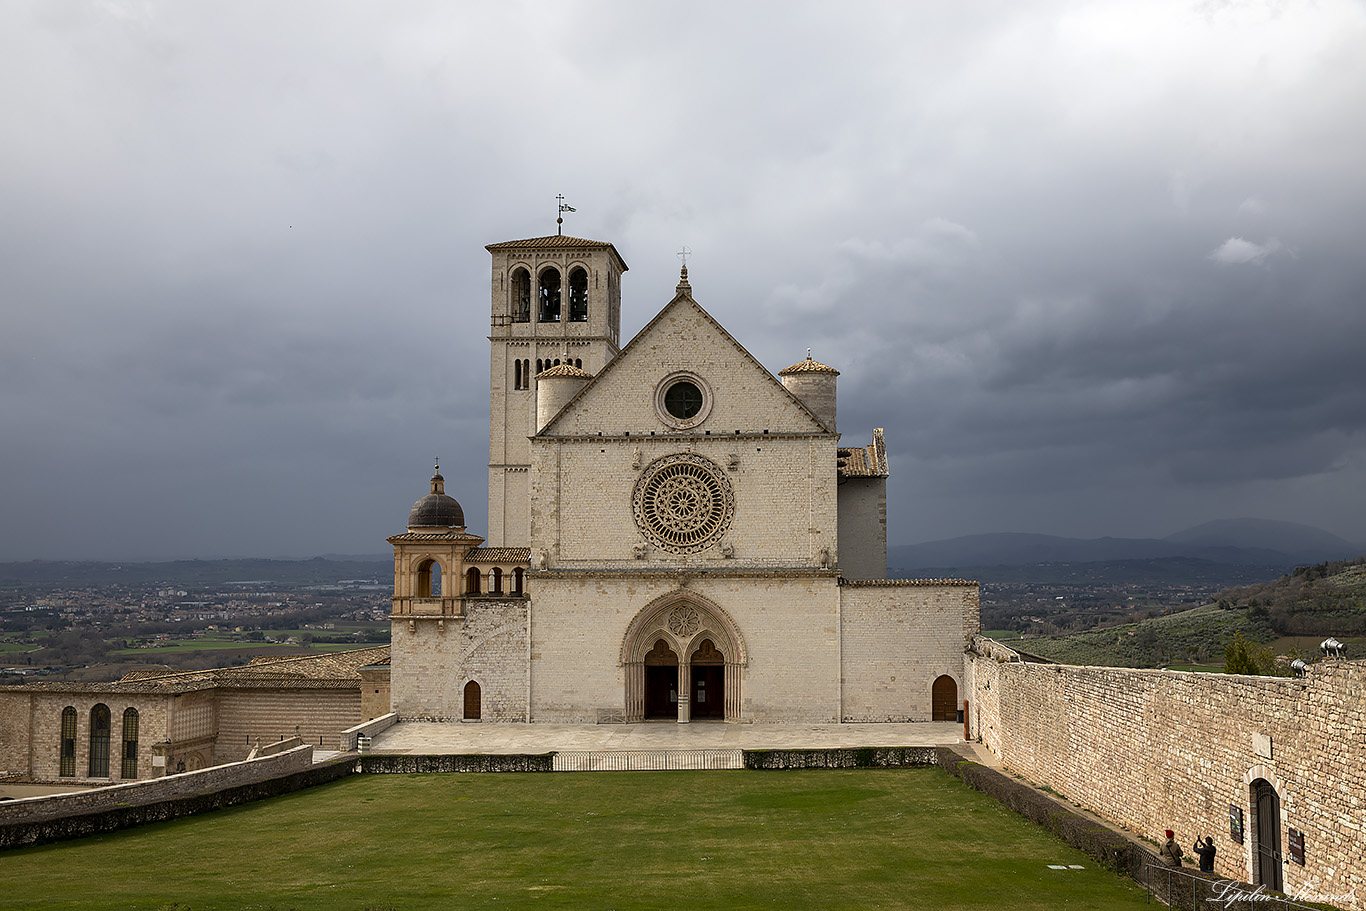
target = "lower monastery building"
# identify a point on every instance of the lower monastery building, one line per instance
(674, 532)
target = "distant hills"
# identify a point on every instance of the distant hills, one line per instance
(1293, 613)
(1238, 546)
(317, 571)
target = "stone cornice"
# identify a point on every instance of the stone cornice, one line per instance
(904, 583)
(687, 437)
(682, 576)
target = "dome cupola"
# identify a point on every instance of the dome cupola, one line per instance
(436, 510)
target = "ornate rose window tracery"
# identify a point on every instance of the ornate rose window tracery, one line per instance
(683, 503)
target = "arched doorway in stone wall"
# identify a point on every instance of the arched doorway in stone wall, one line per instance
(944, 699)
(686, 649)
(1266, 835)
(474, 702)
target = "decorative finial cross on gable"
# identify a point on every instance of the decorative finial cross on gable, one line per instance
(684, 253)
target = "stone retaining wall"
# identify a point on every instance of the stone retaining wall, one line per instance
(1152, 750)
(1184, 889)
(38, 820)
(369, 729)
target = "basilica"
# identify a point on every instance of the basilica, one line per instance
(674, 532)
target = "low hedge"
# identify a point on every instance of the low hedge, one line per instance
(857, 758)
(381, 764)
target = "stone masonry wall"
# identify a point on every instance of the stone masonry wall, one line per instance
(31, 731)
(788, 623)
(248, 716)
(785, 506)
(433, 660)
(1152, 750)
(54, 806)
(40, 820)
(863, 528)
(895, 641)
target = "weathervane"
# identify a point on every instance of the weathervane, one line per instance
(559, 219)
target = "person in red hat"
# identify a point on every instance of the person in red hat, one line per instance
(1171, 851)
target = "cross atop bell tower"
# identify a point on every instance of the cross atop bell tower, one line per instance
(555, 300)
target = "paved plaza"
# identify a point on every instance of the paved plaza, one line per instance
(432, 738)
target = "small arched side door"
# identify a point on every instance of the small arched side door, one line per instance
(944, 699)
(474, 708)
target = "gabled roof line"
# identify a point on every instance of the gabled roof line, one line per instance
(682, 295)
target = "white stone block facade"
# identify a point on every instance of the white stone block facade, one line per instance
(689, 524)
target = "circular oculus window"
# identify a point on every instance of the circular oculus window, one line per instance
(683, 401)
(683, 503)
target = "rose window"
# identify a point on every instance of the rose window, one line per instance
(683, 621)
(683, 503)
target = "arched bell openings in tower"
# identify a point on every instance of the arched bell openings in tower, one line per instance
(578, 295)
(521, 295)
(548, 287)
(428, 579)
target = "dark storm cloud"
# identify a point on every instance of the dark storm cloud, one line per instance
(1093, 266)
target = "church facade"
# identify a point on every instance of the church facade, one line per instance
(674, 532)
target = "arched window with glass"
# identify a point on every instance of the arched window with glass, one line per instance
(98, 767)
(129, 752)
(67, 767)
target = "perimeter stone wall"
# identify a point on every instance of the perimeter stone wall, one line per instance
(1152, 750)
(39, 820)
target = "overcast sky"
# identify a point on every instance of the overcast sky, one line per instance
(1098, 268)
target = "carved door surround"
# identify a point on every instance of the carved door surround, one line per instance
(694, 630)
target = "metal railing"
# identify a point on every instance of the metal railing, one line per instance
(646, 760)
(1192, 890)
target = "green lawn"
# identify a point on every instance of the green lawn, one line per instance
(824, 840)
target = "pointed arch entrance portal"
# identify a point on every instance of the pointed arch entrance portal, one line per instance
(661, 682)
(683, 657)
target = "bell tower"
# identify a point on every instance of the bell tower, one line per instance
(555, 300)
